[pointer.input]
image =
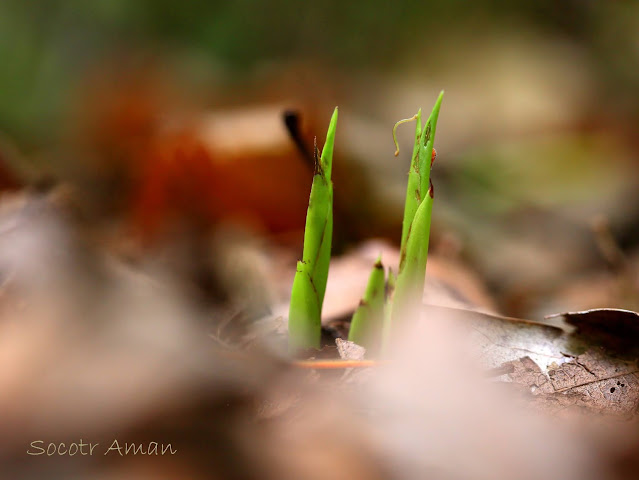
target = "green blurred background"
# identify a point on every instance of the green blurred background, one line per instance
(47, 46)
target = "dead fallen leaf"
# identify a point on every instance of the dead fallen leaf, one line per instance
(614, 329)
(349, 350)
(592, 382)
(560, 370)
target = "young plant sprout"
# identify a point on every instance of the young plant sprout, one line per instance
(309, 285)
(412, 202)
(367, 323)
(404, 292)
(385, 299)
(417, 218)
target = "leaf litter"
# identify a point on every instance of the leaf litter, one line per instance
(584, 361)
(557, 369)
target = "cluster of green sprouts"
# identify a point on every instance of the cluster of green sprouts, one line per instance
(387, 296)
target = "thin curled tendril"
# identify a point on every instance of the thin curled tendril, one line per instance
(406, 120)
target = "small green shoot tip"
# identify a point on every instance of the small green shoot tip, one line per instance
(368, 320)
(309, 284)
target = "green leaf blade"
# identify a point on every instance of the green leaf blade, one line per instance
(309, 284)
(410, 280)
(367, 322)
(426, 146)
(414, 181)
(304, 318)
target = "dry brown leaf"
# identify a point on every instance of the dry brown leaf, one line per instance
(349, 350)
(615, 329)
(592, 382)
(559, 369)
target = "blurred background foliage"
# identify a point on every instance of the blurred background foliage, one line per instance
(538, 131)
(47, 46)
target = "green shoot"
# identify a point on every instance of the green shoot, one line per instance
(391, 283)
(309, 284)
(367, 322)
(385, 299)
(417, 218)
(411, 278)
(413, 189)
